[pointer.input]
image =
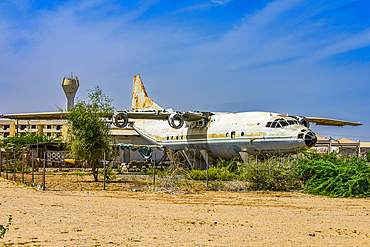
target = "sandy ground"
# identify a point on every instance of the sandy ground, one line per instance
(78, 217)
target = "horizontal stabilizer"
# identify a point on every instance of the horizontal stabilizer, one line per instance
(37, 115)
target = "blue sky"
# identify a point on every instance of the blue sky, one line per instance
(294, 57)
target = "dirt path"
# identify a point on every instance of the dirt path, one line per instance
(103, 218)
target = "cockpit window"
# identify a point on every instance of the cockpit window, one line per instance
(281, 122)
(293, 121)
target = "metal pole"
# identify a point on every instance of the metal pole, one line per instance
(14, 162)
(257, 170)
(1, 161)
(104, 173)
(154, 173)
(22, 168)
(37, 150)
(123, 156)
(43, 180)
(207, 170)
(7, 165)
(33, 174)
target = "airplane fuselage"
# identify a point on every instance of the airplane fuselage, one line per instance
(227, 134)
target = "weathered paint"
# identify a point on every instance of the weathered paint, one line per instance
(225, 135)
(140, 99)
(216, 137)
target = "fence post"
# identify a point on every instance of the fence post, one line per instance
(22, 168)
(104, 172)
(33, 174)
(7, 165)
(43, 180)
(207, 173)
(1, 161)
(14, 163)
(154, 173)
(257, 171)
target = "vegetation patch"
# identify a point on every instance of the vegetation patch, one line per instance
(334, 174)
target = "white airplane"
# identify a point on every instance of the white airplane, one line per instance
(211, 134)
(219, 134)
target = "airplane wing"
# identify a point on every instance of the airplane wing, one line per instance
(163, 115)
(37, 115)
(175, 119)
(331, 122)
(159, 115)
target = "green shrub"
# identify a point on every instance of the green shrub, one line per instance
(335, 175)
(214, 173)
(18, 167)
(271, 174)
(158, 172)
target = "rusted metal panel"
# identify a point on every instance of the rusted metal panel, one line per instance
(140, 99)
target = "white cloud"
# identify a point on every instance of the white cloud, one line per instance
(220, 2)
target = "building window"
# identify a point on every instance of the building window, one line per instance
(48, 126)
(48, 134)
(6, 126)
(6, 134)
(58, 127)
(23, 127)
(33, 126)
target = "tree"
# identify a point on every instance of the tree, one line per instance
(88, 135)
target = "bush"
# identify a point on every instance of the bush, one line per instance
(335, 175)
(271, 174)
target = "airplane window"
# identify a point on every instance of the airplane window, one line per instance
(283, 122)
(168, 137)
(182, 137)
(233, 134)
(227, 134)
(278, 125)
(177, 137)
(292, 122)
(242, 134)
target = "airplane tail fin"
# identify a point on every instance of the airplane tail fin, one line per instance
(140, 100)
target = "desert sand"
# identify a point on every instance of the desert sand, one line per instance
(80, 217)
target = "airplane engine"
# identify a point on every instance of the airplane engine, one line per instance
(303, 121)
(120, 119)
(175, 120)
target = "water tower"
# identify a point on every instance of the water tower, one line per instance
(70, 85)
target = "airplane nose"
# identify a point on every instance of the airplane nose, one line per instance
(310, 139)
